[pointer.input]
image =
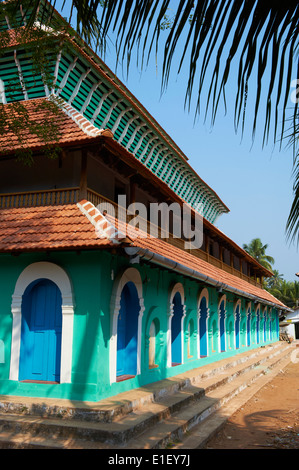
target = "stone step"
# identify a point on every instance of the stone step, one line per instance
(170, 415)
(204, 431)
(181, 423)
(115, 408)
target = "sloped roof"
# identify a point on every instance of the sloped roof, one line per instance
(75, 129)
(82, 226)
(194, 264)
(47, 228)
(71, 126)
(160, 147)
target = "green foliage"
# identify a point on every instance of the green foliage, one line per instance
(259, 36)
(293, 218)
(258, 251)
(41, 45)
(286, 291)
(17, 120)
(275, 280)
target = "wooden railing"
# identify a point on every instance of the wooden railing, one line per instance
(72, 196)
(39, 198)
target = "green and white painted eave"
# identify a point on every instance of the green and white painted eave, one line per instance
(93, 92)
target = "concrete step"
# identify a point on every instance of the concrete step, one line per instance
(179, 424)
(178, 405)
(204, 431)
(115, 408)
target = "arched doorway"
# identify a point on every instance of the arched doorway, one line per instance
(222, 314)
(30, 277)
(265, 324)
(127, 332)
(258, 325)
(40, 352)
(248, 326)
(127, 291)
(176, 330)
(253, 329)
(203, 334)
(237, 324)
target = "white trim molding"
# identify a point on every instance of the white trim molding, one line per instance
(129, 275)
(222, 299)
(54, 273)
(178, 287)
(203, 294)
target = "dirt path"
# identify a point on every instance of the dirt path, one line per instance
(270, 420)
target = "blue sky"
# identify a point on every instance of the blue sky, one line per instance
(254, 182)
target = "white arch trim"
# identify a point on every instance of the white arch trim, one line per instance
(258, 307)
(237, 303)
(203, 294)
(178, 287)
(54, 273)
(129, 275)
(222, 299)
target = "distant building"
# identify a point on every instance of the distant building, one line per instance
(90, 306)
(290, 324)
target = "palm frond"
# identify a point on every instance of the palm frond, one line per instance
(251, 33)
(293, 218)
(259, 37)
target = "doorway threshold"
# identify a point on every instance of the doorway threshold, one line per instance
(121, 378)
(39, 382)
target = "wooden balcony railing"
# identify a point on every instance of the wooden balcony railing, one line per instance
(39, 198)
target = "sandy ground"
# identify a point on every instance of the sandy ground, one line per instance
(269, 420)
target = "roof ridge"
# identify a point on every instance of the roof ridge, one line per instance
(103, 227)
(85, 125)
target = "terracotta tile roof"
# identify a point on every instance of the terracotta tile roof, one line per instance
(188, 260)
(76, 129)
(162, 248)
(81, 225)
(72, 127)
(11, 37)
(47, 228)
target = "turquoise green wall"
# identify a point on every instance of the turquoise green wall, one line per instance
(92, 275)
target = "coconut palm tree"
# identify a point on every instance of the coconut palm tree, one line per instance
(274, 281)
(260, 37)
(287, 292)
(258, 251)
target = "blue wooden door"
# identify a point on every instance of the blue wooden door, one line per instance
(258, 327)
(203, 328)
(222, 327)
(40, 352)
(127, 331)
(237, 327)
(121, 336)
(176, 330)
(248, 328)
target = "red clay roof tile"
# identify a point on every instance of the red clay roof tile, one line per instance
(73, 227)
(46, 228)
(67, 129)
(163, 248)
